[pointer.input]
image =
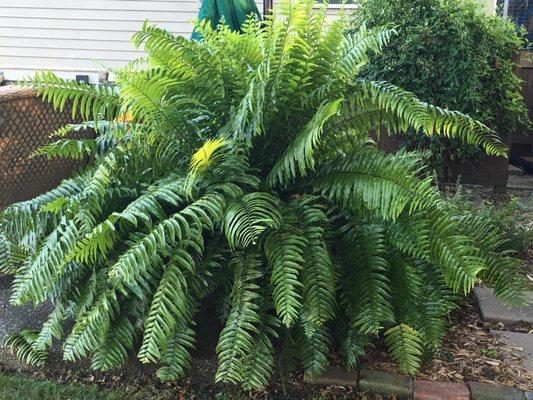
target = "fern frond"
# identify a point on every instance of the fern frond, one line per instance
(358, 44)
(76, 149)
(365, 287)
(353, 347)
(405, 347)
(298, 157)
(313, 342)
(51, 329)
(113, 350)
(385, 184)
(284, 249)
(184, 226)
(430, 119)
(92, 328)
(88, 100)
(177, 356)
(248, 217)
(236, 341)
(258, 365)
(21, 345)
(171, 305)
(319, 278)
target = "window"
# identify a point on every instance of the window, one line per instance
(521, 12)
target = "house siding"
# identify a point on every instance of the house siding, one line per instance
(72, 37)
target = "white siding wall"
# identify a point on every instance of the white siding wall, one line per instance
(68, 36)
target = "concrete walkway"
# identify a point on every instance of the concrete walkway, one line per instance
(494, 311)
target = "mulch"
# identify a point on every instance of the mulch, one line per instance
(468, 353)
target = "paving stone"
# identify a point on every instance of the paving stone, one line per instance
(333, 376)
(523, 340)
(525, 200)
(384, 383)
(515, 171)
(430, 390)
(520, 183)
(494, 311)
(487, 391)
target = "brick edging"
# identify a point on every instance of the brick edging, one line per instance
(404, 387)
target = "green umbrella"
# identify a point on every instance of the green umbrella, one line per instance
(234, 13)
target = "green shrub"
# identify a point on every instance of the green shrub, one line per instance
(510, 217)
(240, 168)
(449, 53)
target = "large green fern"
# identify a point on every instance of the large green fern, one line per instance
(241, 168)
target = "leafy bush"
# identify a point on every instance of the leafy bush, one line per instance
(240, 168)
(510, 217)
(449, 53)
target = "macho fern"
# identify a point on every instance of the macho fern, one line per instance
(241, 168)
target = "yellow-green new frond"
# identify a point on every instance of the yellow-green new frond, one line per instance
(204, 155)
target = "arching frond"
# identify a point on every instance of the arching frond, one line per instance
(385, 184)
(21, 345)
(89, 100)
(177, 356)
(284, 249)
(298, 158)
(405, 347)
(236, 341)
(248, 217)
(431, 120)
(318, 276)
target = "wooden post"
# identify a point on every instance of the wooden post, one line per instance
(506, 8)
(267, 7)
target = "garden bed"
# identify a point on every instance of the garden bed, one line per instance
(468, 353)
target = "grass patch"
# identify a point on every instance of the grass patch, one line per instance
(16, 387)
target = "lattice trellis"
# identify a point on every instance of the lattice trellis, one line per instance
(25, 125)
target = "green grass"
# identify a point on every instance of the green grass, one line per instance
(16, 387)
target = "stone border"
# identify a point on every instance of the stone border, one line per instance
(404, 387)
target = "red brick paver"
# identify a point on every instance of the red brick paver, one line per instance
(430, 390)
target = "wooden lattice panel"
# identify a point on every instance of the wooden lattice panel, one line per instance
(25, 125)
